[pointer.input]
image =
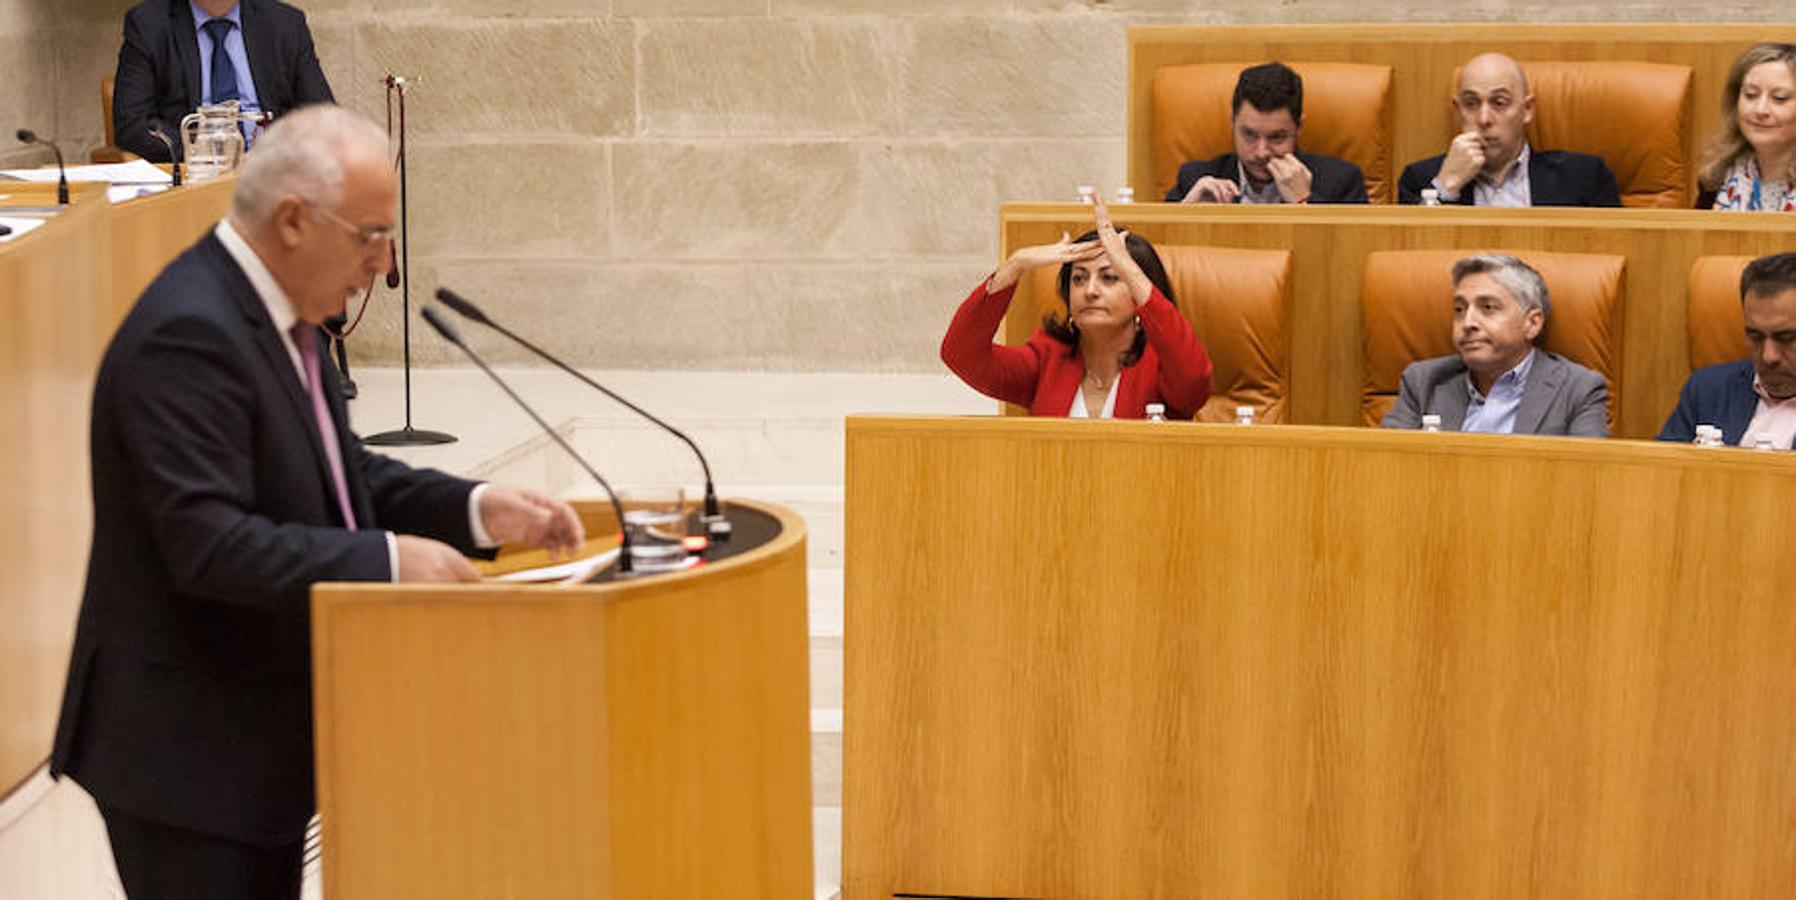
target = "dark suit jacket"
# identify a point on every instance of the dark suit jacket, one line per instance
(1331, 180)
(189, 698)
(1555, 178)
(1561, 397)
(158, 78)
(1714, 395)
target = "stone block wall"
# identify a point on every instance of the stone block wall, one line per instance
(775, 185)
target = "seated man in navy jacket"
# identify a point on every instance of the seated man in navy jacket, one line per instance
(1754, 397)
(179, 55)
(1266, 166)
(1490, 163)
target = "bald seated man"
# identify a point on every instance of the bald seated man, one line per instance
(1490, 163)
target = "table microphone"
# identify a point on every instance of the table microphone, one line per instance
(26, 135)
(716, 526)
(449, 334)
(173, 160)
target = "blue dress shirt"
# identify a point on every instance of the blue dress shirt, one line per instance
(1495, 414)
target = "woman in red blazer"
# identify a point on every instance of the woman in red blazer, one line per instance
(1122, 344)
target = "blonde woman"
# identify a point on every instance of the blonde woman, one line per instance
(1750, 164)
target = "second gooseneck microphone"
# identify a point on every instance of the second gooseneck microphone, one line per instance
(27, 136)
(716, 526)
(449, 334)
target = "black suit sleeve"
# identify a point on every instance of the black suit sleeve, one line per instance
(1410, 184)
(1353, 189)
(134, 91)
(191, 427)
(1681, 424)
(1601, 189)
(309, 84)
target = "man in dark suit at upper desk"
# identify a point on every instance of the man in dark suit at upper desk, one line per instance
(1490, 163)
(1755, 398)
(179, 55)
(1499, 382)
(226, 482)
(1266, 167)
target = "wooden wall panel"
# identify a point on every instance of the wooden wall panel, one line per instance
(1123, 659)
(55, 319)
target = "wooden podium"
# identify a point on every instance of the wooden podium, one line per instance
(642, 738)
(1124, 659)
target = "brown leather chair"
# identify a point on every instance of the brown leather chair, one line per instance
(1713, 322)
(1346, 114)
(1407, 315)
(1239, 304)
(1635, 115)
(110, 153)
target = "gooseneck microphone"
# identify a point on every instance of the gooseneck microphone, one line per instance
(716, 525)
(449, 334)
(174, 161)
(27, 136)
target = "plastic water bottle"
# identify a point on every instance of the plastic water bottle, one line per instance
(1431, 197)
(1762, 441)
(1708, 436)
(1125, 195)
(1156, 412)
(1431, 423)
(1243, 415)
(1087, 194)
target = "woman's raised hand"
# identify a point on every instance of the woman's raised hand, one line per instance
(1063, 251)
(1117, 253)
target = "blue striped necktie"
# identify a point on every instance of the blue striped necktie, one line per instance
(224, 74)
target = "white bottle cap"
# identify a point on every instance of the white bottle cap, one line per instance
(1125, 195)
(1156, 409)
(1431, 197)
(1431, 419)
(1086, 193)
(1243, 411)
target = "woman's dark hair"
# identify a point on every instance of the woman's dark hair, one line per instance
(1063, 329)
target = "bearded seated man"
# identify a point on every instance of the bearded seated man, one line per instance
(1265, 118)
(1752, 400)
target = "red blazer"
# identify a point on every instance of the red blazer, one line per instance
(1043, 374)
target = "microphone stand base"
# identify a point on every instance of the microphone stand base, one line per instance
(408, 437)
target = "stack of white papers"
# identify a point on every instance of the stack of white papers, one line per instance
(18, 225)
(134, 172)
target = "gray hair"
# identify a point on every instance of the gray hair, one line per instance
(302, 154)
(1516, 277)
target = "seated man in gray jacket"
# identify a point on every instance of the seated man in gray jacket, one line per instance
(1499, 382)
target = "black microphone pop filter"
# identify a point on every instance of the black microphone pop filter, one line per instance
(442, 326)
(25, 136)
(463, 306)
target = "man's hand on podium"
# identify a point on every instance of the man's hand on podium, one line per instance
(422, 560)
(512, 516)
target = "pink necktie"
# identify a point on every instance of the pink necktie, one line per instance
(306, 336)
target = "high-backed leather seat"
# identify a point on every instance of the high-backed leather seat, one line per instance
(1715, 327)
(110, 153)
(1407, 315)
(1346, 114)
(1635, 115)
(1239, 304)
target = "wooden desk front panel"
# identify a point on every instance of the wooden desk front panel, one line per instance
(1328, 253)
(149, 232)
(54, 322)
(638, 739)
(1099, 660)
(1423, 58)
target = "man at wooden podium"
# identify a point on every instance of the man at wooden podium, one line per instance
(226, 481)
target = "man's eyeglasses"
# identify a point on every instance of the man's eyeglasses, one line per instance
(369, 239)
